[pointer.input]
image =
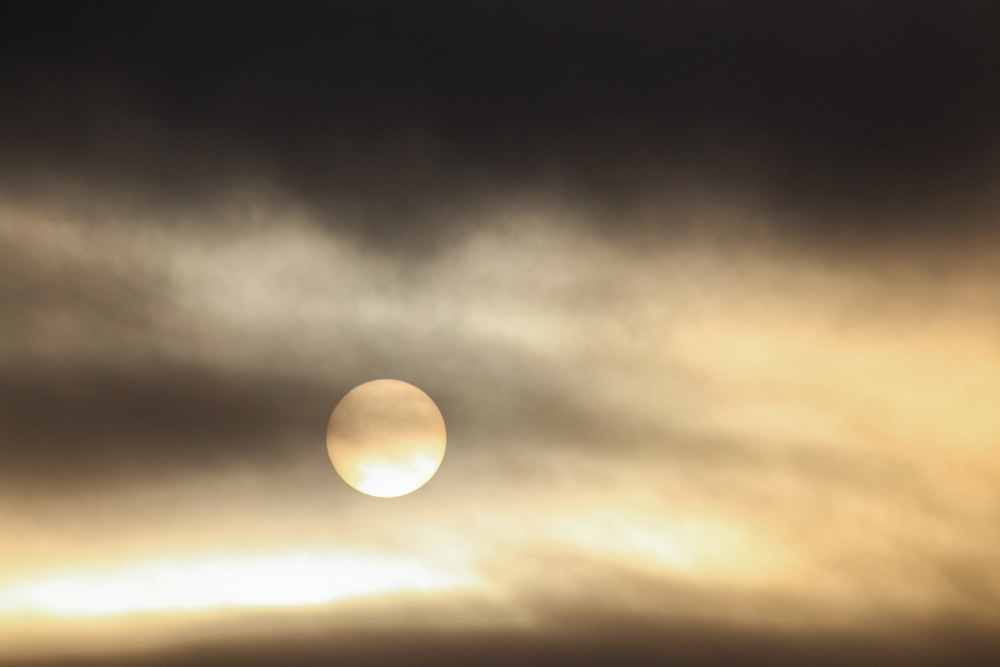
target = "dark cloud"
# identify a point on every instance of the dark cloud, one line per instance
(81, 428)
(396, 118)
(617, 640)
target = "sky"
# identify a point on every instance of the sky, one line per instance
(705, 292)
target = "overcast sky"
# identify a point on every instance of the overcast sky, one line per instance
(705, 291)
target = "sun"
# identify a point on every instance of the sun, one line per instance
(386, 438)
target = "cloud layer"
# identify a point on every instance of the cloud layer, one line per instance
(705, 295)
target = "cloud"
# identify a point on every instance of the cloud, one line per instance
(707, 309)
(692, 433)
(400, 126)
(594, 640)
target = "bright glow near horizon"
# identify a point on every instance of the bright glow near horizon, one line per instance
(219, 582)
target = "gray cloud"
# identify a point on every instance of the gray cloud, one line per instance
(857, 121)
